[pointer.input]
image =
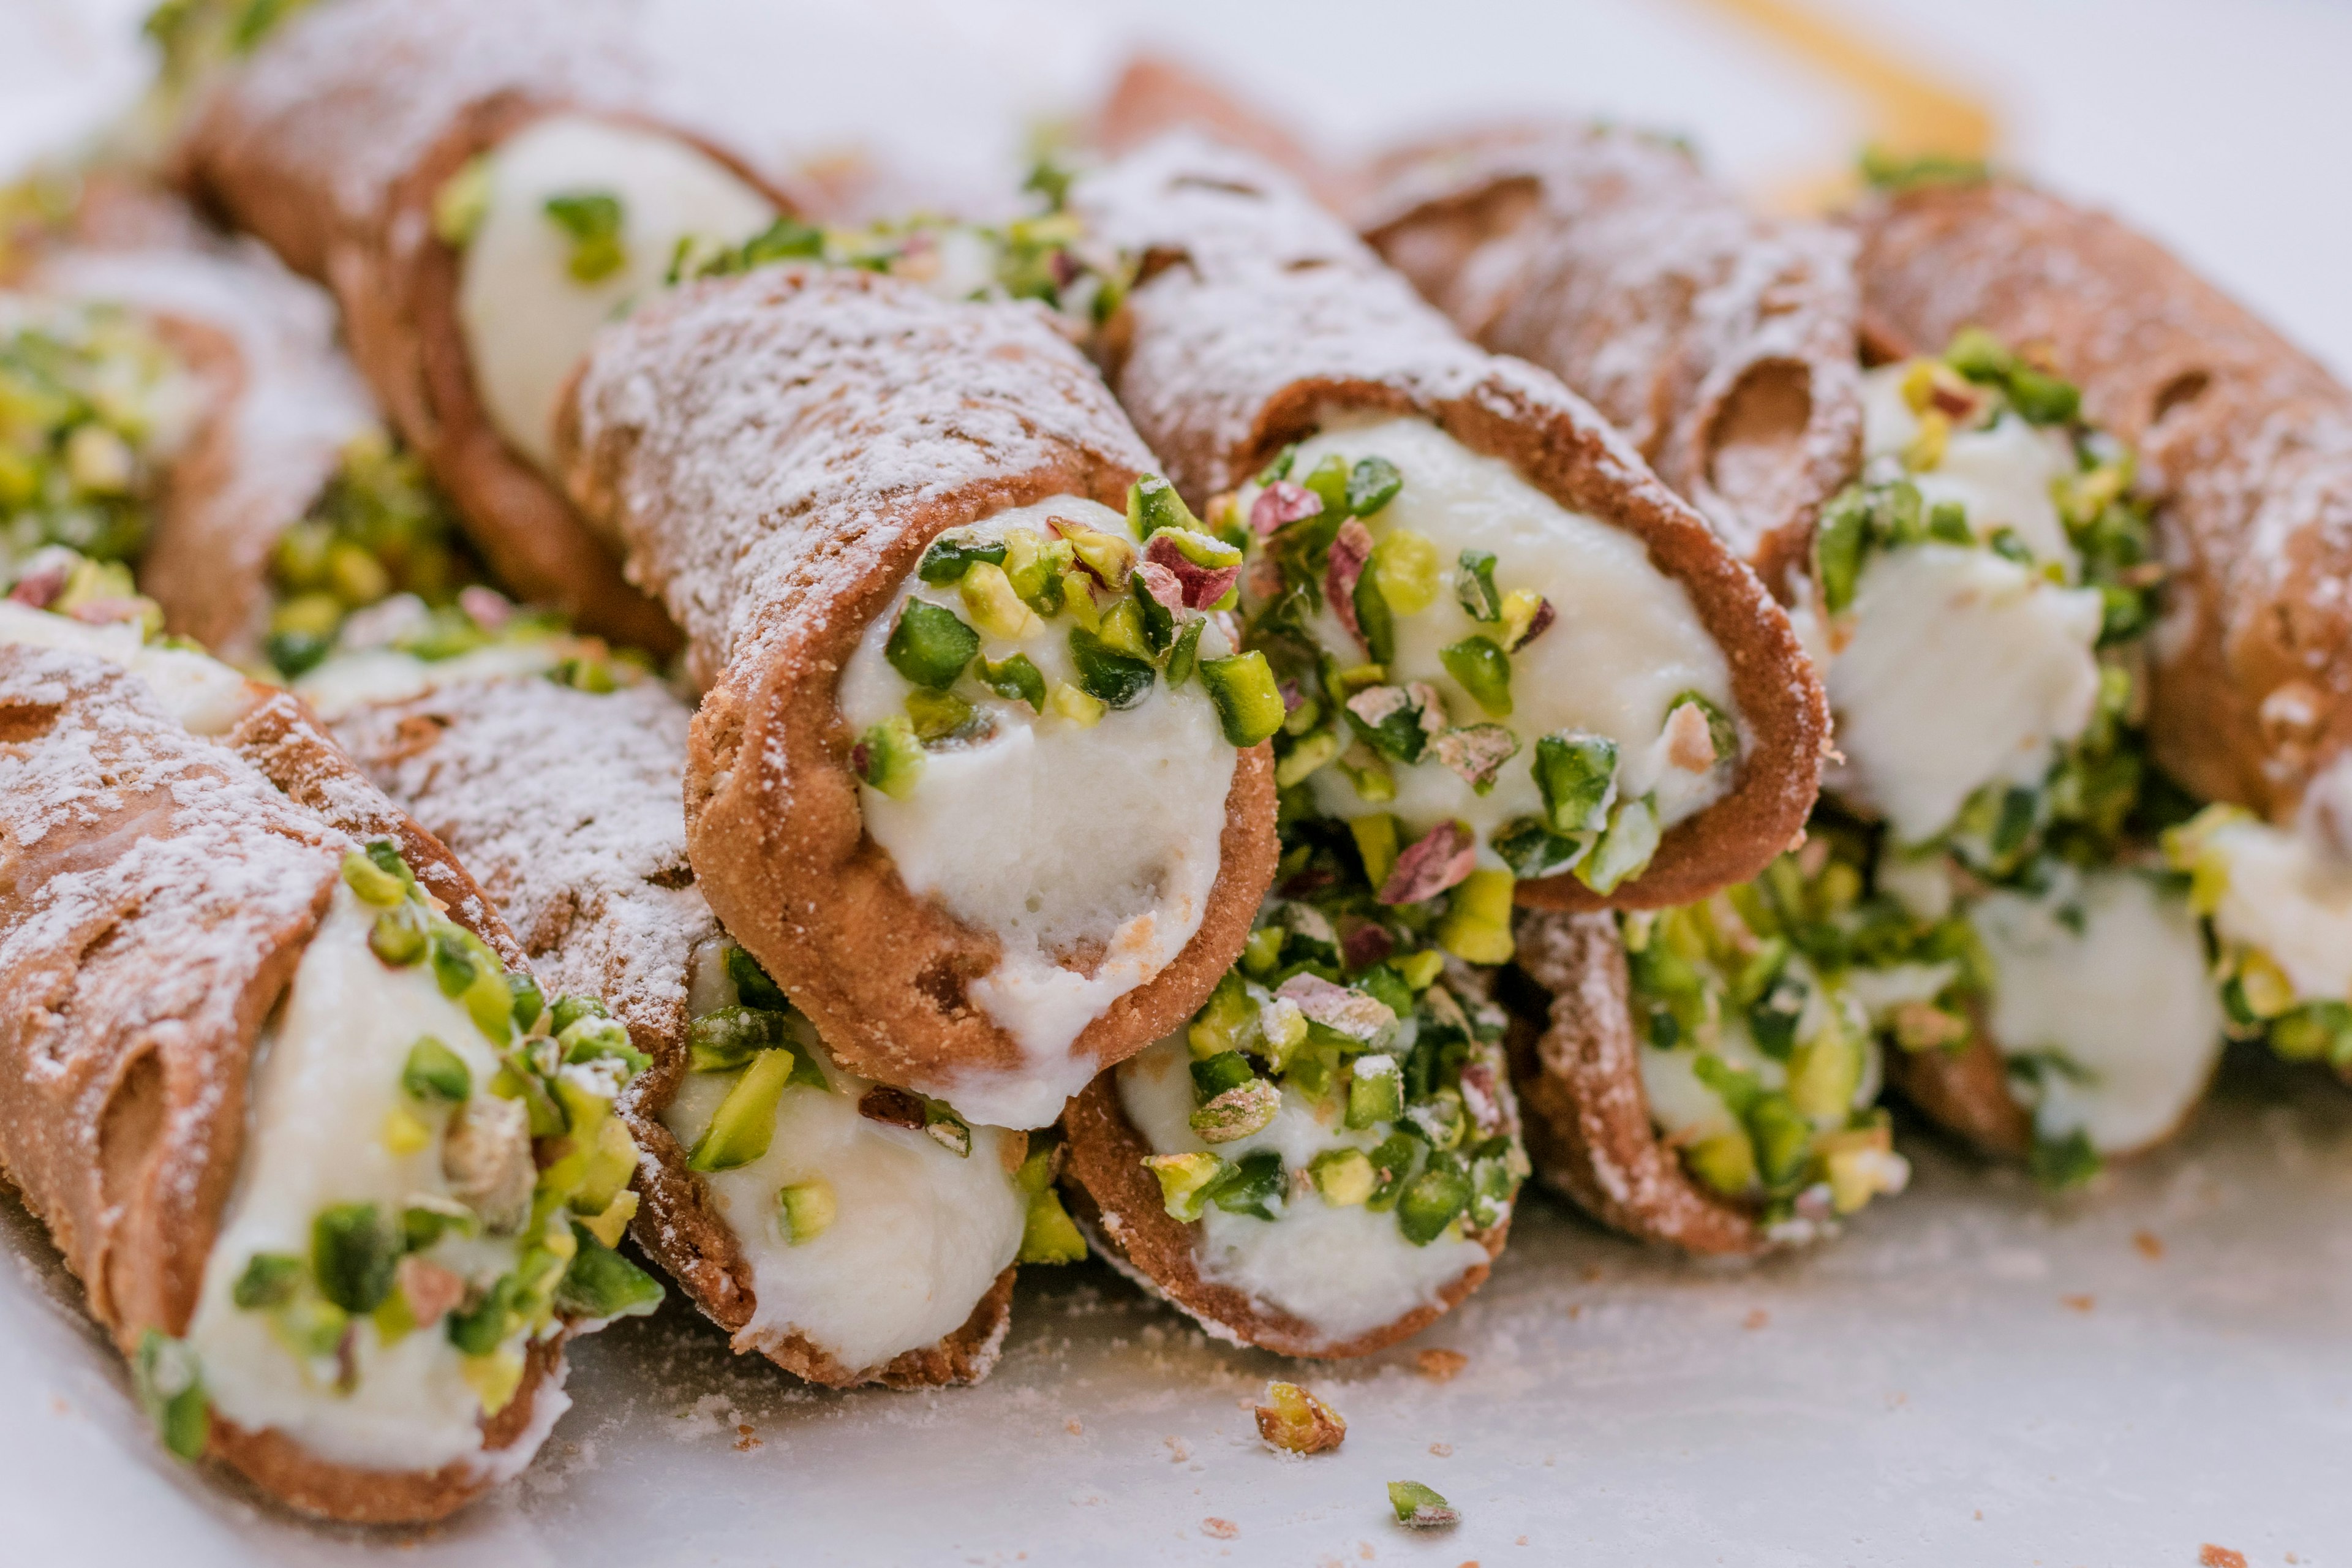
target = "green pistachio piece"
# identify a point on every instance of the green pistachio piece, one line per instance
(1725, 1162)
(1624, 849)
(602, 1040)
(1035, 564)
(353, 1250)
(490, 1002)
(170, 1384)
(1948, 522)
(462, 202)
(1279, 469)
(930, 645)
(725, 1040)
(1392, 1160)
(1838, 544)
(592, 219)
(570, 1010)
(601, 1284)
(1250, 1184)
(753, 987)
(953, 554)
(2043, 399)
(1016, 680)
(1372, 483)
(1159, 621)
(397, 936)
(1116, 679)
(1433, 1200)
(1344, 1176)
(1247, 698)
(1533, 851)
(939, 716)
(1048, 1234)
(1224, 1024)
(1374, 619)
(1441, 1118)
(1375, 1091)
(1419, 1508)
(433, 1071)
(1473, 587)
(529, 1002)
(1213, 1076)
(371, 882)
(890, 758)
(2058, 1164)
(1184, 1181)
(481, 1328)
(1784, 1140)
(1238, 1113)
(270, 1280)
(806, 1210)
(453, 961)
(1573, 771)
(1153, 504)
(1721, 732)
(1185, 656)
(427, 1219)
(1484, 671)
(1978, 356)
(745, 1121)
(1328, 481)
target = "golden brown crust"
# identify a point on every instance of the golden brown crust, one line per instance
(1257, 317)
(1720, 343)
(584, 847)
(1579, 1075)
(1118, 1201)
(1156, 93)
(2246, 441)
(892, 417)
(1967, 1092)
(254, 152)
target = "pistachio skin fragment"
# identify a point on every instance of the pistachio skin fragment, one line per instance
(1420, 1507)
(1292, 1420)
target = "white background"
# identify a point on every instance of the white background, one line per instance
(1975, 1375)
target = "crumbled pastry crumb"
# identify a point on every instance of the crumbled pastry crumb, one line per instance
(1075, 1427)
(2078, 1303)
(1177, 1452)
(1756, 1318)
(2212, 1556)
(1292, 1420)
(1443, 1450)
(2150, 1245)
(1440, 1365)
(1222, 1528)
(746, 1438)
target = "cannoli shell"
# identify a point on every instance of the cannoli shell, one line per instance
(2244, 441)
(1117, 1199)
(568, 804)
(1722, 343)
(1257, 316)
(1156, 94)
(1579, 1076)
(156, 894)
(777, 451)
(1966, 1092)
(281, 400)
(332, 143)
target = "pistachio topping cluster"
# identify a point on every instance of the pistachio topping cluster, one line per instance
(2262, 1000)
(1131, 608)
(769, 1047)
(1760, 1009)
(379, 529)
(520, 1229)
(1338, 1004)
(91, 404)
(1328, 582)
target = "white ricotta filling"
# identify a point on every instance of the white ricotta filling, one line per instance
(373, 676)
(1342, 1271)
(199, 692)
(326, 1077)
(1054, 837)
(2125, 1000)
(1958, 667)
(1963, 669)
(2289, 897)
(918, 1235)
(1625, 644)
(526, 319)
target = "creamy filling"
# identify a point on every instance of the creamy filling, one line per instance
(1955, 666)
(373, 676)
(2100, 1007)
(918, 1234)
(1962, 668)
(199, 692)
(1624, 645)
(530, 299)
(2288, 897)
(325, 1083)
(1344, 1270)
(1087, 845)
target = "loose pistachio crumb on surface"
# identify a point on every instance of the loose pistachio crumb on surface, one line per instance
(1419, 1506)
(1295, 1421)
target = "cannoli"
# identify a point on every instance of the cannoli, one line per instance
(2246, 453)
(851, 1232)
(981, 785)
(1500, 635)
(482, 190)
(1720, 343)
(1325, 1159)
(289, 1109)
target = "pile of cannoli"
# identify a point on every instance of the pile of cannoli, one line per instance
(576, 723)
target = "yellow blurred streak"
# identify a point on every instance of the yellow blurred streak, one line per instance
(1908, 112)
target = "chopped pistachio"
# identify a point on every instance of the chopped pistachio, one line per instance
(1484, 671)
(1118, 675)
(996, 608)
(1624, 849)
(397, 936)
(1016, 680)
(1282, 1028)
(1393, 1159)
(1295, 1422)
(1526, 614)
(490, 1001)
(806, 1210)
(1784, 1139)
(612, 1160)
(353, 1250)
(2058, 1164)
(1184, 1181)
(592, 219)
(930, 646)
(403, 1132)
(1184, 658)
(1328, 482)
(1048, 1234)
(1344, 1176)
(1035, 564)
(1153, 504)
(1575, 772)
(1824, 1073)
(954, 552)
(1372, 483)
(269, 1279)
(1404, 566)
(1433, 1200)
(494, 1377)
(942, 1126)
(1123, 632)
(1419, 1508)
(1079, 706)
(599, 1283)
(1838, 544)
(427, 1217)
(1722, 734)
(1237, 1113)
(462, 202)
(1247, 700)
(725, 1039)
(1375, 1091)
(745, 1121)
(1376, 845)
(1305, 759)
(1476, 927)
(608, 1225)
(1442, 1119)
(170, 1384)
(890, 758)
(1106, 557)
(1250, 1184)
(371, 882)
(1263, 951)
(1421, 969)
(939, 716)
